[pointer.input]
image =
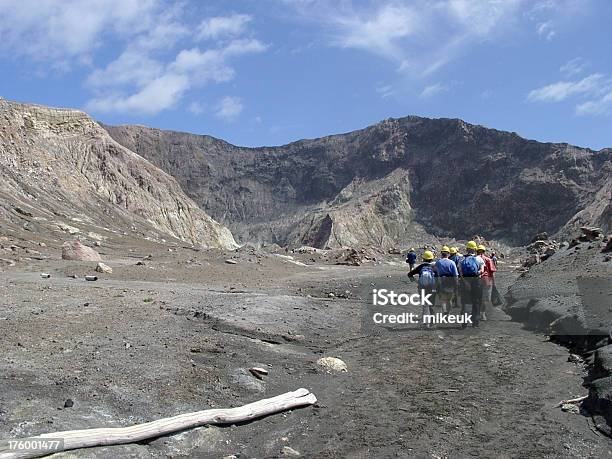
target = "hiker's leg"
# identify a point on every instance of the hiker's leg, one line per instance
(486, 298)
(476, 296)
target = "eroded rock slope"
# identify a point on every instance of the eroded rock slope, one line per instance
(61, 172)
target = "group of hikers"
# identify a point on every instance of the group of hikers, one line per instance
(457, 280)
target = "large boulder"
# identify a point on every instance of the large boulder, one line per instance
(608, 247)
(591, 232)
(74, 250)
(541, 236)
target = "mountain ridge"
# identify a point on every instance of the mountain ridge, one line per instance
(390, 119)
(282, 194)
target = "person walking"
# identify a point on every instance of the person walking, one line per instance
(471, 268)
(447, 277)
(411, 257)
(427, 279)
(488, 280)
(455, 256)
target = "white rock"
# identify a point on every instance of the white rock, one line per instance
(290, 452)
(74, 250)
(332, 364)
(68, 228)
(102, 268)
(570, 408)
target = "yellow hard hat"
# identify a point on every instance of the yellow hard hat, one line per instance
(481, 248)
(445, 249)
(471, 245)
(428, 255)
(412, 249)
(453, 250)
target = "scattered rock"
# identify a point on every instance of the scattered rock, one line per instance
(608, 247)
(25, 213)
(244, 379)
(91, 278)
(541, 236)
(258, 372)
(68, 229)
(69, 403)
(591, 232)
(289, 452)
(532, 260)
(74, 250)
(45, 275)
(140, 263)
(570, 408)
(103, 268)
(540, 250)
(231, 262)
(332, 364)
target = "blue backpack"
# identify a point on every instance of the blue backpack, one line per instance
(427, 279)
(469, 266)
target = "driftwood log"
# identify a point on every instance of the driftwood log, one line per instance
(75, 439)
(572, 401)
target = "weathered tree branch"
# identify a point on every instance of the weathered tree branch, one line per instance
(74, 439)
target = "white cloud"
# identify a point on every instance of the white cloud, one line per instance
(602, 106)
(379, 33)
(433, 90)
(159, 94)
(593, 92)
(229, 108)
(422, 36)
(545, 29)
(129, 68)
(385, 91)
(49, 30)
(151, 72)
(203, 66)
(419, 36)
(130, 80)
(562, 90)
(244, 46)
(196, 108)
(486, 94)
(221, 26)
(573, 67)
(191, 68)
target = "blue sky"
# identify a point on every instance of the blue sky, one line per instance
(272, 71)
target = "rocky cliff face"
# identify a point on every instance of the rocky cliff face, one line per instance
(398, 181)
(60, 171)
